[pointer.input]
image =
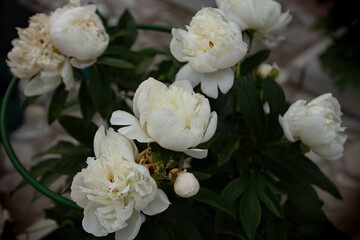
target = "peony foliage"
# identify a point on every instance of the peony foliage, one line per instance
(171, 156)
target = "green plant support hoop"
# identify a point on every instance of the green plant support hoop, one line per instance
(10, 151)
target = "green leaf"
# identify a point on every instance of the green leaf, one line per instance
(86, 106)
(253, 61)
(270, 201)
(233, 189)
(44, 166)
(213, 199)
(77, 129)
(200, 176)
(62, 148)
(299, 192)
(250, 211)
(223, 226)
(226, 153)
(126, 22)
(276, 99)
(252, 109)
(304, 169)
(100, 91)
(276, 229)
(114, 62)
(28, 101)
(57, 103)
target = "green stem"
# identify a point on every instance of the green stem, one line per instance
(15, 161)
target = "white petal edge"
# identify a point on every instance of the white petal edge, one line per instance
(187, 73)
(82, 64)
(131, 230)
(37, 86)
(76, 195)
(99, 137)
(133, 130)
(197, 153)
(158, 205)
(185, 84)
(91, 223)
(67, 75)
(211, 128)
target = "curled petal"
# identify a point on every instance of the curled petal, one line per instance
(134, 129)
(131, 230)
(210, 131)
(197, 153)
(38, 86)
(158, 205)
(91, 223)
(76, 194)
(67, 75)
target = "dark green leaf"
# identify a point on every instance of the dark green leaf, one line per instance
(86, 106)
(270, 201)
(234, 188)
(276, 99)
(252, 108)
(100, 91)
(214, 200)
(201, 175)
(62, 148)
(304, 169)
(299, 192)
(28, 101)
(126, 22)
(76, 128)
(57, 103)
(114, 62)
(250, 211)
(253, 61)
(276, 229)
(44, 166)
(222, 225)
(226, 153)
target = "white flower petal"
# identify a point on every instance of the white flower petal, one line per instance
(91, 223)
(38, 86)
(134, 130)
(187, 73)
(176, 45)
(158, 205)
(131, 230)
(82, 64)
(184, 84)
(211, 129)
(77, 195)
(197, 153)
(98, 139)
(67, 75)
(223, 78)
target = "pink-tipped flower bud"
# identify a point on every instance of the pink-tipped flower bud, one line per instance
(186, 185)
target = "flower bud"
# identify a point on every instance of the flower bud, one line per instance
(266, 70)
(186, 185)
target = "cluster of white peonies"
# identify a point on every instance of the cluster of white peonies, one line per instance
(263, 17)
(211, 46)
(174, 117)
(44, 48)
(316, 124)
(114, 189)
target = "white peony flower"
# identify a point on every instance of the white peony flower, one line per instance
(113, 189)
(78, 32)
(34, 54)
(186, 185)
(212, 45)
(262, 16)
(176, 118)
(317, 124)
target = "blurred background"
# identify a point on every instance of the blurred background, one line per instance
(321, 53)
